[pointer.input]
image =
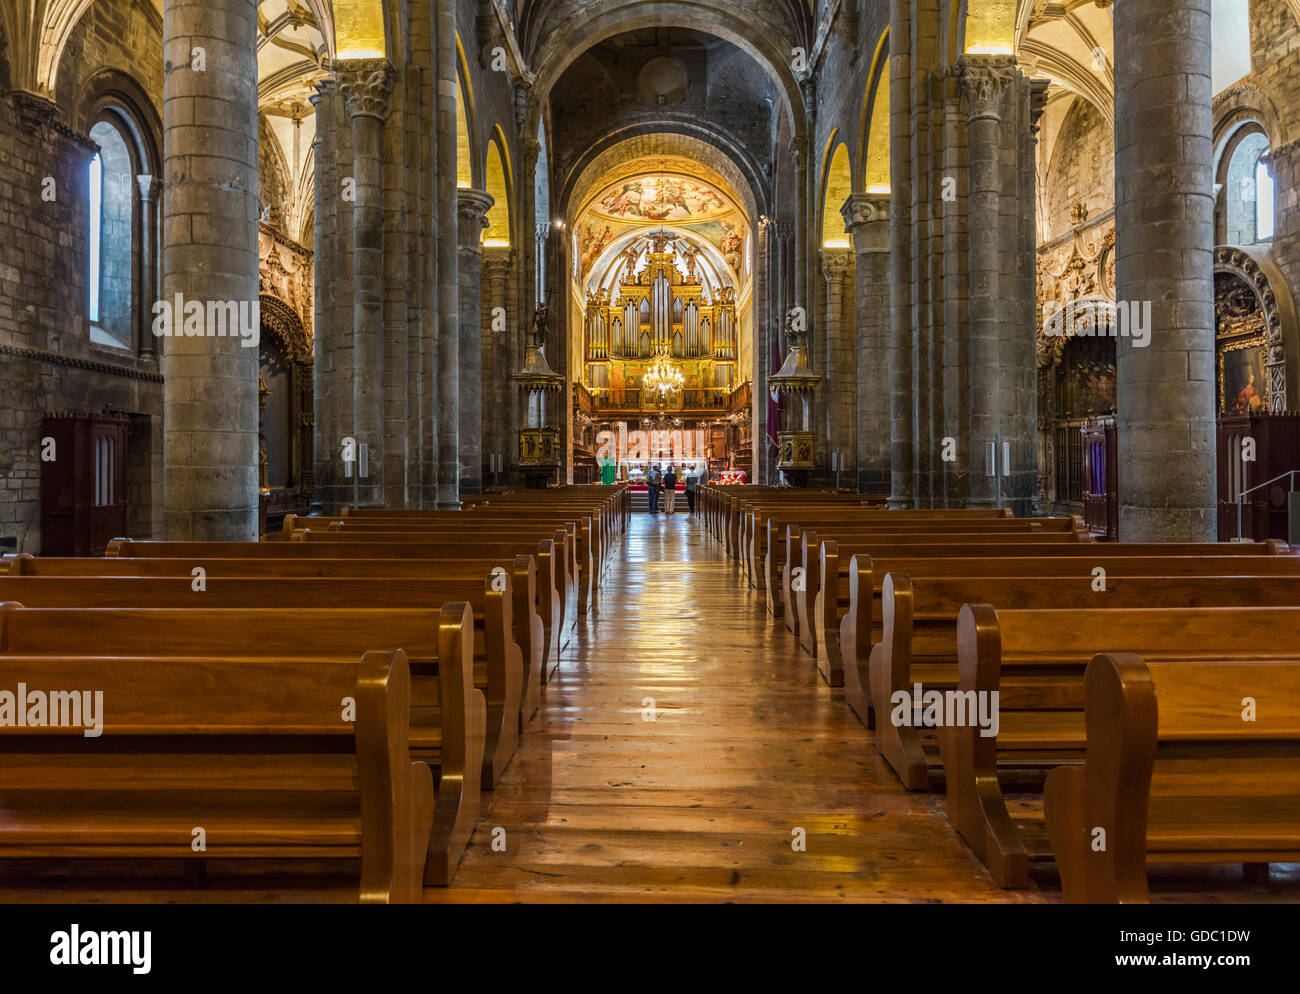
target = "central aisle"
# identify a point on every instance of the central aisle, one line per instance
(700, 804)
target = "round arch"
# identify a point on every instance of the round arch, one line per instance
(499, 182)
(608, 18)
(469, 171)
(836, 185)
(872, 172)
(1257, 270)
(605, 261)
(596, 164)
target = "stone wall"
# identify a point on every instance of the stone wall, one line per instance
(47, 361)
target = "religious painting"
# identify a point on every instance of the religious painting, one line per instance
(1241, 347)
(1242, 385)
(660, 198)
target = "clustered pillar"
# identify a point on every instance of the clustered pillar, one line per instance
(366, 87)
(866, 218)
(473, 206)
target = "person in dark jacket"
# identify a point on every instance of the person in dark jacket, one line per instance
(652, 482)
(670, 488)
(692, 485)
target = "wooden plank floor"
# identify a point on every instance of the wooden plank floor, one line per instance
(700, 804)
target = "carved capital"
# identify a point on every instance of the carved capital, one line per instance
(836, 263)
(497, 263)
(150, 188)
(866, 219)
(471, 213)
(34, 111)
(367, 85)
(984, 81)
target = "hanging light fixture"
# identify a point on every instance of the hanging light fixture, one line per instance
(664, 377)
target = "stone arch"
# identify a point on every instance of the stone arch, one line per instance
(1243, 103)
(1257, 270)
(872, 172)
(498, 181)
(836, 185)
(732, 164)
(113, 88)
(607, 18)
(469, 171)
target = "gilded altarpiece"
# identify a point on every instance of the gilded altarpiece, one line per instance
(661, 310)
(1076, 374)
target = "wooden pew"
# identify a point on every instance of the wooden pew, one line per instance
(800, 603)
(448, 715)
(584, 527)
(1035, 660)
(769, 527)
(502, 551)
(918, 644)
(539, 576)
(855, 590)
(805, 545)
(499, 663)
(262, 760)
(1173, 774)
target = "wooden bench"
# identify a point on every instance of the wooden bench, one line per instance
(501, 551)
(448, 715)
(769, 528)
(805, 545)
(499, 662)
(409, 572)
(1035, 660)
(584, 535)
(1173, 774)
(800, 603)
(918, 643)
(855, 590)
(257, 754)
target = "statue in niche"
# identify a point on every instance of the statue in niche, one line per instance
(539, 324)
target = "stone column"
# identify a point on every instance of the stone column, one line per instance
(497, 355)
(866, 217)
(839, 390)
(366, 87)
(985, 79)
(210, 256)
(473, 206)
(150, 189)
(329, 387)
(448, 263)
(1164, 237)
(902, 423)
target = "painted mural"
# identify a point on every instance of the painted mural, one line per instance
(658, 198)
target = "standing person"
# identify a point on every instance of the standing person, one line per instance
(670, 488)
(652, 481)
(692, 484)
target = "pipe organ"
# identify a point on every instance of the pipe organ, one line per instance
(660, 311)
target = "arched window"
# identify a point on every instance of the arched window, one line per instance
(121, 221)
(1248, 190)
(111, 236)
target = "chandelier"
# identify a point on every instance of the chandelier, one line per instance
(664, 377)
